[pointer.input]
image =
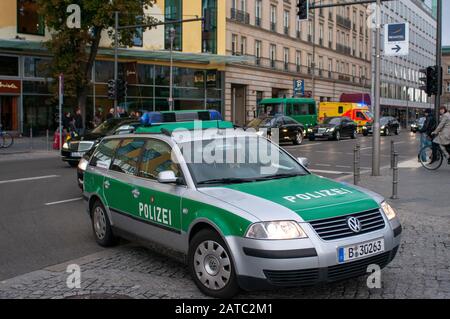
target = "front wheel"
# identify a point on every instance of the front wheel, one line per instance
(7, 140)
(298, 138)
(337, 136)
(354, 135)
(101, 226)
(211, 266)
(429, 161)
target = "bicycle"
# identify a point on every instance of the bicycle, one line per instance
(426, 156)
(6, 139)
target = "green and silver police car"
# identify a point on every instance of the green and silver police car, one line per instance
(243, 221)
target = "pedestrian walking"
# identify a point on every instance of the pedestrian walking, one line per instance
(442, 132)
(110, 114)
(79, 128)
(97, 119)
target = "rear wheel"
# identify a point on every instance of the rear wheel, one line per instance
(101, 226)
(298, 138)
(211, 265)
(7, 140)
(427, 160)
(337, 136)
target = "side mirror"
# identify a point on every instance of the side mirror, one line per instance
(304, 161)
(124, 129)
(167, 177)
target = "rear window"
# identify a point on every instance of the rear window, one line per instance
(104, 153)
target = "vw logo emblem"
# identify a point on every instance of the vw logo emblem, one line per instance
(354, 224)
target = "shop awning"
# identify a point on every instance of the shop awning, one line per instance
(203, 58)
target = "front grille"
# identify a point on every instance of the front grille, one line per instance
(336, 227)
(321, 130)
(85, 146)
(357, 268)
(303, 277)
(73, 146)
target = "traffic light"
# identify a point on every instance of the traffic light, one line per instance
(431, 80)
(303, 9)
(112, 92)
(121, 89)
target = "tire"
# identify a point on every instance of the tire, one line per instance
(425, 158)
(387, 132)
(211, 265)
(337, 136)
(7, 140)
(354, 135)
(73, 164)
(298, 140)
(101, 226)
(397, 131)
(365, 133)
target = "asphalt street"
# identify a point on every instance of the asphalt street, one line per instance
(43, 220)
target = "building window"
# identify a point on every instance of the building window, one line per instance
(448, 87)
(173, 12)
(234, 40)
(448, 69)
(321, 34)
(298, 60)
(286, 22)
(286, 59)
(273, 55)
(243, 45)
(209, 37)
(36, 67)
(273, 18)
(9, 65)
(28, 19)
(258, 12)
(258, 46)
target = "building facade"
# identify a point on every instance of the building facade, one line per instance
(331, 52)
(400, 93)
(27, 100)
(445, 99)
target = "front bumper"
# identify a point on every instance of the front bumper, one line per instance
(264, 264)
(323, 135)
(68, 156)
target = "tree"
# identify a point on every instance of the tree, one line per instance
(74, 50)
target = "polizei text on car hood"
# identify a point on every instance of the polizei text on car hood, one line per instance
(310, 197)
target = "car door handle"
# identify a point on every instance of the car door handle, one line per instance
(106, 184)
(135, 193)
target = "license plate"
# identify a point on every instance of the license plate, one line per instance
(361, 250)
(77, 154)
(318, 134)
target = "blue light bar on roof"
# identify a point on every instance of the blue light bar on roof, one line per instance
(151, 118)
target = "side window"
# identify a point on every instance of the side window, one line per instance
(289, 121)
(301, 109)
(312, 109)
(359, 115)
(156, 158)
(127, 156)
(104, 153)
(290, 109)
(340, 109)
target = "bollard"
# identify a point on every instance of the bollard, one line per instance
(355, 166)
(358, 147)
(395, 177)
(46, 133)
(31, 138)
(392, 153)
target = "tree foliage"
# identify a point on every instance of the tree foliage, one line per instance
(74, 50)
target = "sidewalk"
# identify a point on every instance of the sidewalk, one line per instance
(29, 148)
(420, 270)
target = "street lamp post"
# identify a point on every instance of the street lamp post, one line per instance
(172, 38)
(376, 120)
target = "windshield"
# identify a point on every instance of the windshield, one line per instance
(369, 115)
(270, 109)
(332, 120)
(107, 127)
(261, 122)
(238, 159)
(384, 120)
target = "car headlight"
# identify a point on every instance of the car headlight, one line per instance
(388, 210)
(310, 130)
(276, 230)
(383, 127)
(331, 129)
(66, 145)
(364, 127)
(82, 165)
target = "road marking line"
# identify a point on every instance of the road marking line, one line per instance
(328, 172)
(64, 201)
(28, 179)
(324, 165)
(343, 166)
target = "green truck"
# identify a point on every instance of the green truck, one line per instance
(303, 110)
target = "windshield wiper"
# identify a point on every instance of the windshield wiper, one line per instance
(227, 180)
(279, 176)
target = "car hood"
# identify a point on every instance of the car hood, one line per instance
(301, 198)
(87, 137)
(325, 125)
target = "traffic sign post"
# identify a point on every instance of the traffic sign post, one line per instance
(396, 39)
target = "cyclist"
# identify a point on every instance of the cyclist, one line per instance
(428, 127)
(442, 132)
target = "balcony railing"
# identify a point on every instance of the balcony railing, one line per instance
(330, 44)
(286, 30)
(257, 22)
(299, 34)
(294, 68)
(273, 27)
(309, 38)
(330, 15)
(321, 42)
(240, 16)
(343, 22)
(343, 49)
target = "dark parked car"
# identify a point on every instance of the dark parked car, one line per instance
(288, 128)
(334, 128)
(74, 149)
(388, 125)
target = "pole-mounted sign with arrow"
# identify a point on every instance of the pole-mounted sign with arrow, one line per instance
(396, 39)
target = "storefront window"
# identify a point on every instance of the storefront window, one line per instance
(173, 12)
(9, 65)
(209, 37)
(36, 67)
(162, 75)
(145, 73)
(39, 114)
(28, 19)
